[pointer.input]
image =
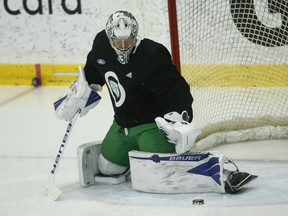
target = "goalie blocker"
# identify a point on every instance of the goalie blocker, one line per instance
(166, 173)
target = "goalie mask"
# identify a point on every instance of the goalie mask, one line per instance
(122, 30)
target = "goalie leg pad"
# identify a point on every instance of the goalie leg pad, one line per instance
(88, 155)
(177, 173)
(91, 163)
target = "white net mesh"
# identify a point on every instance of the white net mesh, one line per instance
(234, 55)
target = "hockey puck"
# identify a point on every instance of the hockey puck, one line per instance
(198, 202)
(35, 81)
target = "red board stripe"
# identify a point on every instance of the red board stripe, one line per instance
(38, 72)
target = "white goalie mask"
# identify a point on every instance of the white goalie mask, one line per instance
(122, 30)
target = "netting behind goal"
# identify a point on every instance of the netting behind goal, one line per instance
(234, 54)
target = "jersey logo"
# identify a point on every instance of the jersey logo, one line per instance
(116, 89)
(129, 75)
(101, 61)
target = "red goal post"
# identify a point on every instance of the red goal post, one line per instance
(172, 12)
(234, 55)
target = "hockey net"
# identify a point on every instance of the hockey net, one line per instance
(234, 54)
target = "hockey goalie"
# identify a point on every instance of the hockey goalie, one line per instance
(153, 129)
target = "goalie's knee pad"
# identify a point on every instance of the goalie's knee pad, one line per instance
(88, 155)
(108, 168)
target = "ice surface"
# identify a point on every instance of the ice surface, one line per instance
(30, 138)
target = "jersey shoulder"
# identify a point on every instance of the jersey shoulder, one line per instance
(101, 41)
(153, 48)
(155, 61)
(101, 34)
(153, 55)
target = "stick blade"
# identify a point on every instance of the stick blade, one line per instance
(53, 192)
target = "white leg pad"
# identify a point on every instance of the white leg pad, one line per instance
(88, 155)
(177, 173)
(88, 167)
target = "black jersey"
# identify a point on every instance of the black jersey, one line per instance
(148, 86)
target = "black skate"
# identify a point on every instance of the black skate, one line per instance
(237, 180)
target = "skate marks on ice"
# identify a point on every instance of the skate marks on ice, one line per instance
(269, 188)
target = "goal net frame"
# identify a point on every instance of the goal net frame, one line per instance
(234, 55)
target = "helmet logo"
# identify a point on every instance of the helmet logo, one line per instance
(122, 30)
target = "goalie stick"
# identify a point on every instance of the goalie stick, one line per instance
(53, 192)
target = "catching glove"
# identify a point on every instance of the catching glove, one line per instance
(178, 130)
(79, 96)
